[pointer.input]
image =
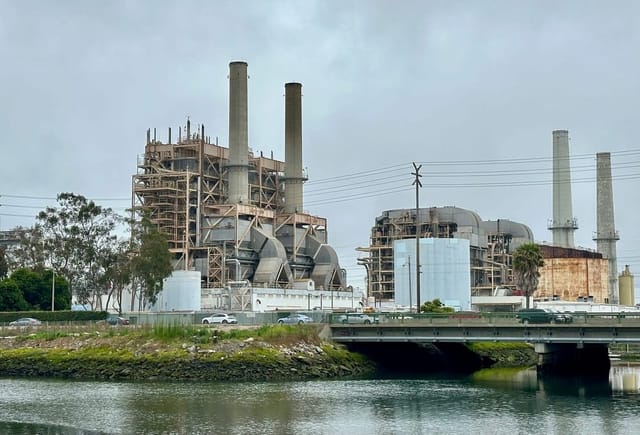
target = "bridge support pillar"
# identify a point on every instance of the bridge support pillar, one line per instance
(573, 358)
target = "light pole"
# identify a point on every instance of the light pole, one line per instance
(408, 265)
(53, 288)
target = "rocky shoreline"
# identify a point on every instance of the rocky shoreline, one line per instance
(103, 356)
(208, 354)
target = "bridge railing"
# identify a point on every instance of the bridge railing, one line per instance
(470, 318)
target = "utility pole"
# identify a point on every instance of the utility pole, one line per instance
(418, 185)
(408, 264)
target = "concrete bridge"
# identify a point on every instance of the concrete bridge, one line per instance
(580, 346)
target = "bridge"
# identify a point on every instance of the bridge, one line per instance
(558, 345)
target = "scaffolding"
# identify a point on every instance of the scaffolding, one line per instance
(183, 188)
(490, 251)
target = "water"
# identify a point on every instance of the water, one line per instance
(488, 402)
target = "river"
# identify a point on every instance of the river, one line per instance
(488, 402)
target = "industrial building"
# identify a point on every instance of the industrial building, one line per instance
(234, 218)
(570, 273)
(490, 248)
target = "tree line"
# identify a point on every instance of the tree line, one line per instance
(92, 251)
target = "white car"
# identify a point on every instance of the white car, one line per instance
(220, 318)
(357, 318)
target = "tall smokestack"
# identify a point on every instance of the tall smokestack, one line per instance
(238, 134)
(606, 236)
(563, 223)
(293, 148)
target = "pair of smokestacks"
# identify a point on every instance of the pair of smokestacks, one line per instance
(239, 141)
(564, 224)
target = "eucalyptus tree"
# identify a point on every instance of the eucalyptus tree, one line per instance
(150, 261)
(527, 259)
(29, 251)
(77, 236)
(4, 266)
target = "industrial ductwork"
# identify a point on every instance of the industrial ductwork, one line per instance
(326, 271)
(272, 269)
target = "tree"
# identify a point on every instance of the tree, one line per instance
(118, 274)
(4, 266)
(526, 261)
(435, 306)
(150, 261)
(11, 298)
(78, 235)
(29, 289)
(29, 252)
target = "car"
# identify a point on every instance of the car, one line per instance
(26, 321)
(539, 315)
(357, 318)
(117, 320)
(534, 315)
(560, 317)
(295, 318)
(223, 318)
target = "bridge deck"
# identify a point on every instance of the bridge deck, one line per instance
(585, 328)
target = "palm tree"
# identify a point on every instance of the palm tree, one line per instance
(526, 261)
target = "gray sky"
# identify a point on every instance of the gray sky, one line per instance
(385, 83)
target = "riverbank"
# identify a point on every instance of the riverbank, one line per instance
(225, 353)
(179, 353)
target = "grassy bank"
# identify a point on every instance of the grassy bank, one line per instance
(502, 355)
(274, 352)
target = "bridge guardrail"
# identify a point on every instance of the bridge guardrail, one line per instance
(468, 318)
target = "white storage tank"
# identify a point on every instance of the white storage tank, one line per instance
(180, 292)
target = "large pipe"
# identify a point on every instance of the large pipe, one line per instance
(606, 235)
(563, 224)
(238, 134)
(293, 174)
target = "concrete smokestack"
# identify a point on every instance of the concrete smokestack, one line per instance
(293, 174)
(238, 134)
(606, 235)
(563, 223)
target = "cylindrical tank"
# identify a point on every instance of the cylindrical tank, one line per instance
(627, 296)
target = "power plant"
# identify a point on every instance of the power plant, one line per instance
(232, 216)
(241, 240)
(569, 273)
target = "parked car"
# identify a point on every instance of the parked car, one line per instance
(539, 315)
(26, 321)
(223, 318)
(559, 317)
(357, 318)
(295, 318)
(117, 320)
(534, 315)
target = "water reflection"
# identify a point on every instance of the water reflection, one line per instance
(622, 378)
(497, 401)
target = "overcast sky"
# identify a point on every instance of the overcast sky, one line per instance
(469, 89)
